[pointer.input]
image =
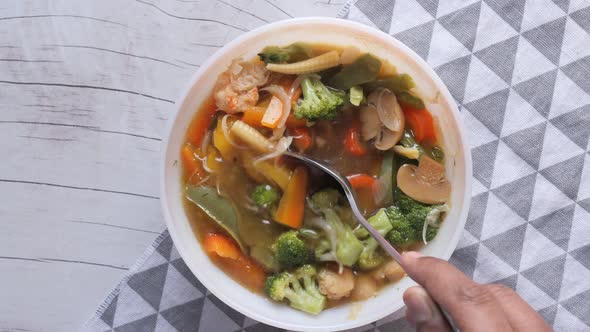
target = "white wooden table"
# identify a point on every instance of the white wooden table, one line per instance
(86, 88)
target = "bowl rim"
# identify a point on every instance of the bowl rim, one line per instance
(466, 199)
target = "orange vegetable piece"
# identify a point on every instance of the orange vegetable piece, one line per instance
(421, 123)
(352, 140)
(253, 116)
(201, 123)
(251, 273)
(292, 204)
(301, 138)
(193, 168)
(361, 181)
(293, 122)
(273, 113)
(222, 246)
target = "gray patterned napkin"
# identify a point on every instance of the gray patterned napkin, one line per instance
(520, 73)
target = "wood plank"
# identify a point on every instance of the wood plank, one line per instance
(86, 88)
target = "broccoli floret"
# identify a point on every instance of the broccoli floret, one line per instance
(405, 203)
(408, 218)
(292, 53)
(299, 288)
(344, 247)
(291, 251)
(403, 232)
(348, 247)
(371, 258)
(319, 103)
(264, 195)
(325, 199)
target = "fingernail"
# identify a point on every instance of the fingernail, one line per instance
(419, 309)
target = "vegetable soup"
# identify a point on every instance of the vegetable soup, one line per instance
(284, 230)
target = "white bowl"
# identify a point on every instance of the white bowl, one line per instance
(337, 32)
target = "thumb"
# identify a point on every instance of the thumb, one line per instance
(422, 312)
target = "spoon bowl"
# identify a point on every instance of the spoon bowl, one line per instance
(351, 197)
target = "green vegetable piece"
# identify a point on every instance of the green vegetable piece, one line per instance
(362, 70)
(327, 74)
(408, 218)
(437, 154)
(299, 288)
(217, 207)
(325, 198)
(291, 251)
(386, 176)
(319, 102)
(356, 95)
(397, 83)
(406, 98)
(348, 247)
(265, 257)
(408, 141)
(265, 195)
(370, 257)
(292, 53)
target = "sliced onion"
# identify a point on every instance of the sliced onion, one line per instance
(424, 229)
(432, 218)
(277, 133)
(296, 84)
(205, 167)
(380, 190)
(217, 185)
(235, 67)
(279, 149)
(206, 141)
(227, 135)
(205, 179)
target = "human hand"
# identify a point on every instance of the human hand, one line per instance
(472, 306)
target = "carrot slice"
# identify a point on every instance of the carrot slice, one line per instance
(361, 181)
(421, 123)
(251, 273)
(352, 140)
(273, 113)
(201, 123)
(193, 168)
(222, 246)
(293, 122)
(253, 116)
(301, 138)
(292, 204)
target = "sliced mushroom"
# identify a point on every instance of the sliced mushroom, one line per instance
(386, 139)
(426, 182)
(371, 125)
(389, 111)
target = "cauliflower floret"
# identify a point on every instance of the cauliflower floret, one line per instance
(236, 89)
(336, 286)
(364, 287)
(391, 271)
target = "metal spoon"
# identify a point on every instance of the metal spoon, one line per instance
(351, 196)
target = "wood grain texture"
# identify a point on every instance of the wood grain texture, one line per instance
(86, 88)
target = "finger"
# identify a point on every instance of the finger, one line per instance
(472, 306)
(422, 312)
(520, 315)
